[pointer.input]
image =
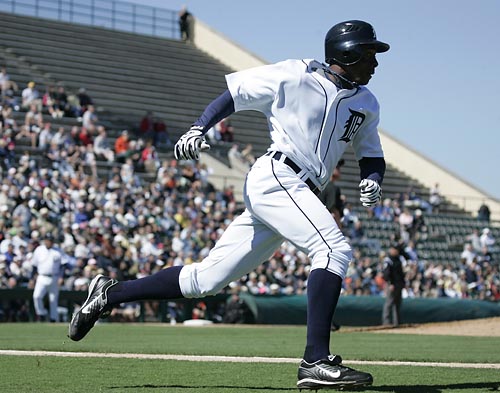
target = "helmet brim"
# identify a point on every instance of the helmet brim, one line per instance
(379, 46)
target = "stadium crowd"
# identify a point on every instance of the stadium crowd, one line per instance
(126, 227)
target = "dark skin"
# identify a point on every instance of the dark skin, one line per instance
(361, 72)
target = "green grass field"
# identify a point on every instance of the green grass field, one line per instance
(57, 374)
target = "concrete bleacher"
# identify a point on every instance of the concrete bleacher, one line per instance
(128, 74)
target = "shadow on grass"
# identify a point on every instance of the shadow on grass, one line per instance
(479, 386)
(257, 388)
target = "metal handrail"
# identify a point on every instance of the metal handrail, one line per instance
(110, 14)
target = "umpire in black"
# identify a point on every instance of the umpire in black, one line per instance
(395, 279)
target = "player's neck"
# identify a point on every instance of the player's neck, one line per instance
(339, 77)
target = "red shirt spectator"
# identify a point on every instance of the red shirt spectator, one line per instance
(84, 137)
(122, 143)
(146, 125)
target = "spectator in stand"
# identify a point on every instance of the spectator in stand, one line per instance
(234, 155)
(484, 257)
(474, 240)
(84, 101)
(149, 157)
(468, 254)
(483, 214)
(61, 102)
(6, 84)
(186, 25)
(384, 211)
(45, 136)
(435, 198)
(486, 239)
(89, 118)
(84, 136)
(146, 126)
(405, 221)
(7, 152)
(349, 217)
(54, 155)
(7, 122)
(418, 229)
(9, 99)
(247, 154)
(160, 135)
(102, 148)
(49, 102)
(60, 138)
(30, 95)
(213, 136)
(89, 159)
(411, 252)
(225, 130)
(122, 146)
(33, 124)
(357, 233)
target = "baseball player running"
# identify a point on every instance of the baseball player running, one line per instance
(314, 111)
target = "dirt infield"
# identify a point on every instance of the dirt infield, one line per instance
(487, 327)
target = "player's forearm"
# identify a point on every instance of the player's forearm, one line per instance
(372, 168)
(218, 109)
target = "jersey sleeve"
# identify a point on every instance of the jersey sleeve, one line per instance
(256, 88)
(366, 143)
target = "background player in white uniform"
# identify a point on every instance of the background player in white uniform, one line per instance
(47, 265)
(314, 112)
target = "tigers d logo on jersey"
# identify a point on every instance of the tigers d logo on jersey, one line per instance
(352, 125)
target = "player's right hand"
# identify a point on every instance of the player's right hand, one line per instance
(370, 192)
(189, 145)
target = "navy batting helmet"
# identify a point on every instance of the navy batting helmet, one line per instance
(344, 42)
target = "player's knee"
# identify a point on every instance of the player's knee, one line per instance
(194, 284)
(335, 259)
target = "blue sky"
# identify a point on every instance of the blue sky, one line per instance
(438, 86)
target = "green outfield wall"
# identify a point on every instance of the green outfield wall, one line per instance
(291, 310)
(367, 310)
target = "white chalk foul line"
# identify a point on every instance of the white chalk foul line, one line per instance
(236, 359)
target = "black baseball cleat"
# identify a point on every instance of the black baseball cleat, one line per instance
(331, 374)
(95, 307)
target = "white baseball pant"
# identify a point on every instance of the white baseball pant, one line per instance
(43, 285)
(279, 205)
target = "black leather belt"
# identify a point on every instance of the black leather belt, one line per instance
(277, 156)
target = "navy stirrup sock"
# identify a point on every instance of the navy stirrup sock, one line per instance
(159, 286)
(323, 292)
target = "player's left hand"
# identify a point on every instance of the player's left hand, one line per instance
(370, 192)
(189, 145)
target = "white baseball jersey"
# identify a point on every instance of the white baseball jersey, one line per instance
(310, 119)
(312, 122)
(47, 261)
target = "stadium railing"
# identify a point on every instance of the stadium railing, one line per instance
(110, 14)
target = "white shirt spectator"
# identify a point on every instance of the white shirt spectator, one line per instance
(89, 118)
(468, 254)
(45, 137)
(486, 239)
(30, 94)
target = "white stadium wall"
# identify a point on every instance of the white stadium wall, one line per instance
(397, 154)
